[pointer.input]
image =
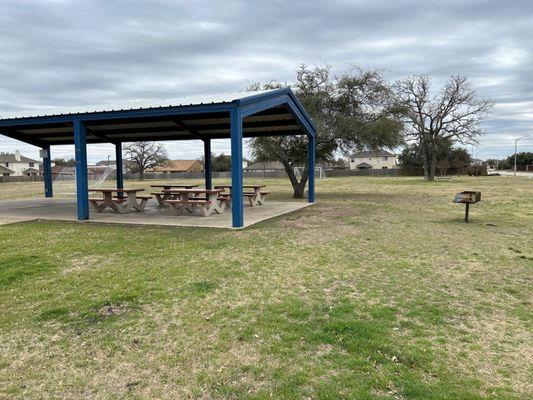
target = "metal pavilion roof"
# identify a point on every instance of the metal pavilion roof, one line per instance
(278, 112)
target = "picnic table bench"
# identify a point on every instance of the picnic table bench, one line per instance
(162, 195)
(118, 202)
(256, 197)
(207, 201)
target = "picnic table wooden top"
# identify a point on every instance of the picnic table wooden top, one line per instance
(200, 190)
(173, 186)
(105, 190)
(244, 186)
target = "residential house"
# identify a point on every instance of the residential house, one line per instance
(58, 170)
(19, 165)
(6, 171)
(377, 159)
(173, 166)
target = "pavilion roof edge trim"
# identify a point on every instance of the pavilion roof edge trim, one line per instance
(141, 105)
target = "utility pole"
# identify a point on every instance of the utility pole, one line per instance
(515, 150)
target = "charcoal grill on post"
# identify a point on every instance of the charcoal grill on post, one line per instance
(467, 198)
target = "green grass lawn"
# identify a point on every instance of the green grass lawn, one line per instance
(380, 291)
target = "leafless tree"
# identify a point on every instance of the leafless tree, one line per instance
(145, 155)
(454, 114)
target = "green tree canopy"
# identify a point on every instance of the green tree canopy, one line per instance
(447, 156)
(352, 110)
(219, 163)
(70, 162)
(522, 160)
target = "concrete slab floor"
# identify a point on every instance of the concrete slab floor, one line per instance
(12, 211)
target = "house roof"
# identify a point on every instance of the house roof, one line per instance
(364, 165)
(11, 159)
(61, 169)
(31, 171)
(176, 166)
(265, 113)
(373, 153)
(4, 170)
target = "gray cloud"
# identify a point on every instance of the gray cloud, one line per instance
(67, 52)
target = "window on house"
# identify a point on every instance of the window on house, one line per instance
(32, 165)
(386, 158)
(353, 160)
(384, 167)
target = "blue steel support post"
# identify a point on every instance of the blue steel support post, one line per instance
(82, 188)
(311, 146)
(207, 164)
(119, 167)
(47, 170)
(236, 168)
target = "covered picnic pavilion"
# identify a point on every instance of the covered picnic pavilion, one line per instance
(232, 116)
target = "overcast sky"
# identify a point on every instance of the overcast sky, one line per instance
(67, 53)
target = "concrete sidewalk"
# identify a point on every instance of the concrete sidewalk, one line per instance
(12, 211)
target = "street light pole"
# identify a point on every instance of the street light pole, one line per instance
(515, 150)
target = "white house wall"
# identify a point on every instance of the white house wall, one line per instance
(19, 167)
(389, 162)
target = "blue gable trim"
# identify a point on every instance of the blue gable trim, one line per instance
(247, 105)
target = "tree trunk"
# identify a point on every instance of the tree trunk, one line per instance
(433, 165)
(141, 175)
(297, 187)
(425, 158)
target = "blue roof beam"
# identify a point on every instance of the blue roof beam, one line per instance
(282, 97)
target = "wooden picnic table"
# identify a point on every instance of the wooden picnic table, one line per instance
(170, 186)
(190, 200)
(119, 203)
(162, 196)
(257, 197)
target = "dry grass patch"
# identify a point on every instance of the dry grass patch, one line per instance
(379, 291)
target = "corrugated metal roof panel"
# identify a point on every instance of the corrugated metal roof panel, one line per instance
(134, 105)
